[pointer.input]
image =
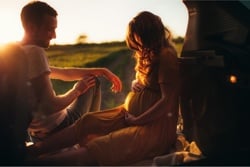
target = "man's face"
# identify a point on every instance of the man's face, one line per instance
(45, 32)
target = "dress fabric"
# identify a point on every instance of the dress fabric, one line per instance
(120, 144)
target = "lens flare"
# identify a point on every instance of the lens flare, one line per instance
(233, 79)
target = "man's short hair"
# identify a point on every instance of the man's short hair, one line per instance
(34, 12)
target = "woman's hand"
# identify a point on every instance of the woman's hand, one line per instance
(83, 85)
(115, 80)
(136, 86)
(130, 119)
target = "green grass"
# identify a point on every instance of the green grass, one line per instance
(79, 55)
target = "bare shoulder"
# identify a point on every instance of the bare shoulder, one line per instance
(169, 57)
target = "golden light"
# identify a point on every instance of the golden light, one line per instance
(8, 36)
(233, 79)
(28, 144)
(11, 28)
(95, 16)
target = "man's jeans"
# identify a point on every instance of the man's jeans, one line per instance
(89, 101)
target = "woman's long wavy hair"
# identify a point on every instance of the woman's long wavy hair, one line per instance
(153, 36)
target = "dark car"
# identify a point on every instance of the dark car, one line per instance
(215, 72)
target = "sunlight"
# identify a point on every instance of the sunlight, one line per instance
(101, 21)
(107, 20)
(11, 29)
(9, 37)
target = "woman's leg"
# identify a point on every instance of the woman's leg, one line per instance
(74, 157)
(96, 123)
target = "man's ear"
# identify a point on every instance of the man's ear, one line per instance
(31, 28)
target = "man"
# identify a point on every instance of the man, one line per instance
(50, 111)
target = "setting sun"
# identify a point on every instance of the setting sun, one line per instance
(11, 29)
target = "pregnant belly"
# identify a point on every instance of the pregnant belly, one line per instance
(138, 102)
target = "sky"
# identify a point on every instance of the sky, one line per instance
(99, 20)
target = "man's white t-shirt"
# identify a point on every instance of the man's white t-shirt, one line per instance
(38, 65)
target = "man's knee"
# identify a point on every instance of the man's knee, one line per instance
(95, 88)
(97, 82)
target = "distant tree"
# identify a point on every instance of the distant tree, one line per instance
(178, 40)
(81, 39)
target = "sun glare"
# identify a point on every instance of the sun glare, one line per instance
(9, 37)
(101, 21)
(11, 29)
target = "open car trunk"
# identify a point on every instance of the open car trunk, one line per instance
(215, 72)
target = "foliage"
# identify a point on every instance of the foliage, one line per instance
(178, 40)
(81, 39)
(80, 54)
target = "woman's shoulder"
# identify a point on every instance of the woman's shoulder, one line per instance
(169, 67)
(169, 57)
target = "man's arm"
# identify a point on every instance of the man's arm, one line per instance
(49, 102)
(72, 74)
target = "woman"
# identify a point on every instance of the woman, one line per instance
(145, 126)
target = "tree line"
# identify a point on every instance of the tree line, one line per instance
(82, 39)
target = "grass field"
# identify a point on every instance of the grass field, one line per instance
(114, 56)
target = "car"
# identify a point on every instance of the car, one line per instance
(215, 74)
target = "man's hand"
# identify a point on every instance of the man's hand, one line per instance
(83, 85)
